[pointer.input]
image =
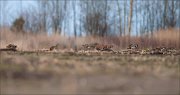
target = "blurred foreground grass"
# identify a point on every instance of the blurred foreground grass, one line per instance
(71, 73)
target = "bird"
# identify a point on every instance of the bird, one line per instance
(133, 46)
(54, 47)
(90, 46)
(97, 46)
(11, 46)
(103, 47)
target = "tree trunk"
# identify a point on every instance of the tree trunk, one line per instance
(130, 20)
(136, 20)
(165, 13)
(125, 3)
(74, 13)
(120, 20)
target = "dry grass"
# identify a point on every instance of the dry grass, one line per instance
(71, 73)
(169, 37)
(29, 41)
(81, 64)
(62, 73)
(166, 38)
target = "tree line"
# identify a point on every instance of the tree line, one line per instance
(99, 17)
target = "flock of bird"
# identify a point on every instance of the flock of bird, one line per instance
(131, 49)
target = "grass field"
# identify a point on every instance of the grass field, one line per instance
(94, 73)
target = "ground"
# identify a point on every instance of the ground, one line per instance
(88, 73)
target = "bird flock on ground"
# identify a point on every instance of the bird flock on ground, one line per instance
(131, 49)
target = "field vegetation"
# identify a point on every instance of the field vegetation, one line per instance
(33, 70)
(71, 73)
(89, 47)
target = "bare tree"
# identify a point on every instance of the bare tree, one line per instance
(32, 21)
(96, 17)
(57, 12)
(43, 9)
(125, 11)
(136, 12)
(74, 17)
(1, 17)
(65, 16)
(81, 17)
(120, 18)
(130, 19)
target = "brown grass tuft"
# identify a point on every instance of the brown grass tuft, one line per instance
(168, 37)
